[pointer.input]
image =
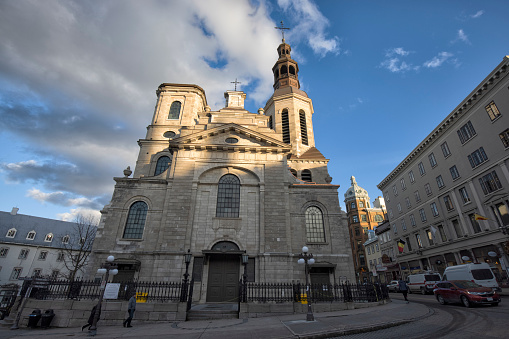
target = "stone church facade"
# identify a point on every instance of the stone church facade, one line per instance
(224, 183)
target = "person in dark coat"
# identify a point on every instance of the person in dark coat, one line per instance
(403, 287)
(91, 318)
(131, 307)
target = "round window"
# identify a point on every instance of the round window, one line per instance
(169, 134)
(232, 140)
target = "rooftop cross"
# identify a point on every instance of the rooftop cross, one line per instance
(282, 28)
(235, 82)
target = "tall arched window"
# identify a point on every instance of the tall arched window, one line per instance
(284, 70)
(306, 175)
(228, 197)
(136, 220)
(315, 231)
(175, 110)
(303, 127)
(292, 70)
(162, 165)
(270, 122)
(285, 125)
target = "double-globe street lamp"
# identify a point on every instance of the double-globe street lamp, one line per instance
(106, 269)
(307, 259)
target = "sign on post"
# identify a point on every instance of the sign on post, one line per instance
(111, 291)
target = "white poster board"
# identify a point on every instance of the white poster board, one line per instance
(111, 291)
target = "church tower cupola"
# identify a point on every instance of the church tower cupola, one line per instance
(285, 70)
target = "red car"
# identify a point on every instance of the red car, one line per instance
(466, 292)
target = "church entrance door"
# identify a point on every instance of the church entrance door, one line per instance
(223, 282)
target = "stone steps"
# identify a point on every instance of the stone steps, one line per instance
(213, 311)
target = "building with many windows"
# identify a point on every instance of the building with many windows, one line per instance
(224, 183)
(362, 217)
(33, 246)
(448, 200)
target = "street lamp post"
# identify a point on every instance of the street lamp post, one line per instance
(187, 259)
(245, 260)
(106, 268)
(307, 259)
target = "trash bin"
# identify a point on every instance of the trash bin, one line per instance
(47, 317)
(33, 318)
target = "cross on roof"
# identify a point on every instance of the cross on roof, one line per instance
(235, 82)
(282, 28)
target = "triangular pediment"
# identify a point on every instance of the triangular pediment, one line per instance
(230, 137)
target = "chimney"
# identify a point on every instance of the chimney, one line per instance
(14, 211)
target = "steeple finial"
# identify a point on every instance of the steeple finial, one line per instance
(235, 82)
(282, 28)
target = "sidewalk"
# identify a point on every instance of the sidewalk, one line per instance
(278, 327)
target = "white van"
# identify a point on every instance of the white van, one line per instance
(480, 273)
(422, 282)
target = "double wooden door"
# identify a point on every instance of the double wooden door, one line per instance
(223, 281)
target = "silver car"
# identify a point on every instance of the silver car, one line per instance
(393, 286)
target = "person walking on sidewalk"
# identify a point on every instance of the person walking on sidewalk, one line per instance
(91, 318)
(403, 287)
(131, 307)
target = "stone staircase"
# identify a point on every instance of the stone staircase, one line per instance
(213, 311)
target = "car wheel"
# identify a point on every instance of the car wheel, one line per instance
(465, 301)
(441, 300)
(423, 291)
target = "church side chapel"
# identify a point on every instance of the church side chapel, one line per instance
(226, 183)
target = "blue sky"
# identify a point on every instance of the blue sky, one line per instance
(78, 81)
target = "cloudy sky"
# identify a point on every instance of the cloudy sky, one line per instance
(78, 80)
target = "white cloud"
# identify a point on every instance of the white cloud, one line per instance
(394, 62)
(437, 61)
(477, 15)
(73, 214)
(461, 36)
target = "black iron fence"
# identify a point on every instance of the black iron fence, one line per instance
(297, 292)
(90, 289)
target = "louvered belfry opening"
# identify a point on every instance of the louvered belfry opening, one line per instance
(286, 126)
(306, 175)
(303, 127)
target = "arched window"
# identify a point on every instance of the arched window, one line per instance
(136, 220)
(270, 122)
(294, 172)
(285, 125)
(306, 175)
(175, 110)
(162, 165)
(65, 239)
(228, 197)
(292, 70)
(361, 204)
(303, 127)
(314, 225)
(284, 70)
(11, 233)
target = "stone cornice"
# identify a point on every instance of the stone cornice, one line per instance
(482, 89)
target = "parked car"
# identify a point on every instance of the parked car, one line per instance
(422, 282)
(393, 286)
(466, 292)
(480, 273)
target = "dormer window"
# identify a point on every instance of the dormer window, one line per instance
(31, 235)
(11, 233)
(49, 237)
(65, 239)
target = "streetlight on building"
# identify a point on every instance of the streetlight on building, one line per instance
(307, 259)
(187, 259)
(106, 269)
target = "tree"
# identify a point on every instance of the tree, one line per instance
(77, 246)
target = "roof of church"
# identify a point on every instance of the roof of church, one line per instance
(312, 154)
(287, 90)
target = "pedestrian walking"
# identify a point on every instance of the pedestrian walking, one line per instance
(131, 307)
(403, 287)
(91, 318)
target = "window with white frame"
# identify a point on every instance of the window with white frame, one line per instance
(11, 233)
(363, 217)
(430, 237)
(16, 272)
(427, 188)
(3, 252)
(492, 111)
(445, 149)
(440, 182)
(386, 196)
(412, 220)
(403, 225)
(361, 203)
(49, 237)
(464, 195)
(421, 168)
(369, 251)
(432, 160)
(490, 183)
(422, 214)
(60, 256)
(352, 205)
(418, 239)
(477, 157)
(395, 190)
(411, 176)
(37, 272)
(23, 253)
(65, 239)
(417, 196)
(407, 201)
(399, 207)
(31, 235)
(454, 172)
(442, 233)
(355, 218)
(395, 228)
(43, 255)
(504, 137)
(403, 184)
(434, 209)
(466, 132)
(448, 203)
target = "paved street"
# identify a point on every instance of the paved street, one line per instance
(447, 321)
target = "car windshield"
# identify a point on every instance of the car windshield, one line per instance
(482, 274)
(466, 284)
(432, 277)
